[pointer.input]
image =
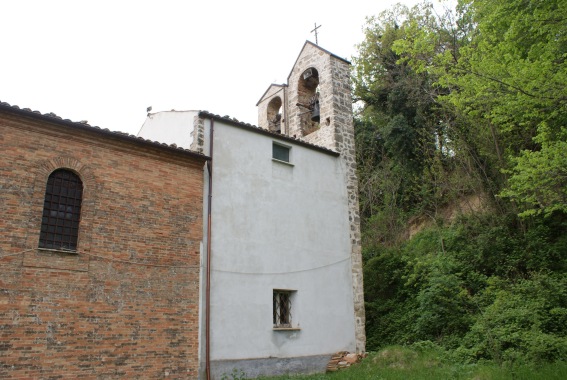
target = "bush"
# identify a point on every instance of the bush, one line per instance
(490, 288)
(526, 322)
(443, 306)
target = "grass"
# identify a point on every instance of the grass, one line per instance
(402, 363)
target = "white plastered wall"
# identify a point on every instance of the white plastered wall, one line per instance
(278, 226)
(172, 127)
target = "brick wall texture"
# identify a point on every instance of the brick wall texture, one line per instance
(124, 306)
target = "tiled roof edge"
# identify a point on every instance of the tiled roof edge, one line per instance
(268, 89)
(83, 125)
(253, 128)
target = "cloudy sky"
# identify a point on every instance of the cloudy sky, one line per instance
(106, 61)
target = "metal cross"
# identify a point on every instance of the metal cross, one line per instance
(315, 31)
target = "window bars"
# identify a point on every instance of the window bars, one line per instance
(282, 308)
(61, 211)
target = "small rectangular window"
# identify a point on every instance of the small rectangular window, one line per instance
(282, 308)
(280, 152)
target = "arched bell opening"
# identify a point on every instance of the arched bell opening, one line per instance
(274, 114)
(308, 101)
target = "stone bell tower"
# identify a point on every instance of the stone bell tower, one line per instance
(316, 106)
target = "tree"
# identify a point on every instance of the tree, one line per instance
(539, 177)
(452, 104)
(512, 79)
(415, 154)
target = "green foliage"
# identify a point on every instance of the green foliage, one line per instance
(539, 178)
(470, 101)
(482, 286)
(414, 155)
(524, 322)
(512, 79)
(388, 319)
(443, 304)
(234, 375)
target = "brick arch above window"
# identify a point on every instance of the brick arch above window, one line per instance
(63, 162)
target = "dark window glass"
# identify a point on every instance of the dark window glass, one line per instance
(280, 152)
(61, 211)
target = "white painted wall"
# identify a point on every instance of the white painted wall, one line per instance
(172, 127)
(277, 226)
(274, 226)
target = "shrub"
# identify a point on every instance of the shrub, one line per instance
(526, 322)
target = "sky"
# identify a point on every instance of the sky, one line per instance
(106, 61)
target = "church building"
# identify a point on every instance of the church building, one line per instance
(101, 237)
(202, 246)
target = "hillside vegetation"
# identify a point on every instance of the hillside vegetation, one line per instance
(466, 104)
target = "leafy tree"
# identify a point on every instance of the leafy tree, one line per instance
(415, 154)
(512, 79)
(471, 101)
(524, 322)
(539, 177)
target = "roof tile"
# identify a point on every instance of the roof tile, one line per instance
(84, 125)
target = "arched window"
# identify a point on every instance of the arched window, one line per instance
(308, 100)
(61, 211)
(275, 114)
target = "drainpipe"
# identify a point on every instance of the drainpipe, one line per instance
(208, 286)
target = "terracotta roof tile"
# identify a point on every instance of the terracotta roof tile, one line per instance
(256, 129)
(84, 125)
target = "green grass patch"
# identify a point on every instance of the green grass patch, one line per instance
(404, 363)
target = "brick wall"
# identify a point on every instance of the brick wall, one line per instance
(124, 306)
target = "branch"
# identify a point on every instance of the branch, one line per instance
(499, 81)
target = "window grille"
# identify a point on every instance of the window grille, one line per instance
(61, 211)
(282, 308)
